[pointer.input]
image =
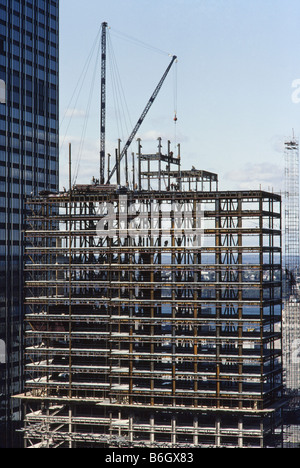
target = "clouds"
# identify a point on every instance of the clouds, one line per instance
(232, 90)
(258, 175)
(86, 164)
(76, 113)
(85, 160)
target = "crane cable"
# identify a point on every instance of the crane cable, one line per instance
(122, 113)
(121, 107)
(118, 89)
(159, 51)
(79, 85)
(138, 42)
(87, 113)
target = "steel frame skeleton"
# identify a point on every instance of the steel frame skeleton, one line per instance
(138, 336)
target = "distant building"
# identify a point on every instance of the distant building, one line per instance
(28, 164)
(291, 295)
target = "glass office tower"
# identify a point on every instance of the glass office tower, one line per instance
(28, 164)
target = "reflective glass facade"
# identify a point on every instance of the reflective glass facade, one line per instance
(28, 164)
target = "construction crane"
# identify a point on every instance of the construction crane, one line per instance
(103, 109)
(103, 103)
(142, 117)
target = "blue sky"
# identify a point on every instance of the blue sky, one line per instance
(237, 61)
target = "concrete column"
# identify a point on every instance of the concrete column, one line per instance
(195, 436)
(173, 427)
(152, 436)
(130, 428)
(218, 433)
(240, 426)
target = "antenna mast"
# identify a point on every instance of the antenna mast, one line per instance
(103, 104)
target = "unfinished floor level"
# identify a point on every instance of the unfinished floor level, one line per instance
(154, 314)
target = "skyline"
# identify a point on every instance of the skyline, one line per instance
(153, 319)
(237, 88)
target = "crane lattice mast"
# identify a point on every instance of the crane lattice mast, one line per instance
(103, 104)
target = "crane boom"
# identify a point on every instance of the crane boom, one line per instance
(142, 117)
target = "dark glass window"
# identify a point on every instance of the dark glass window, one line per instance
(28, 154)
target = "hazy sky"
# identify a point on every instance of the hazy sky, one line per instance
(232, 86)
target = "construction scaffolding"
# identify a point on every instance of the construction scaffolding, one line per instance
(154, 313)
(291, 309)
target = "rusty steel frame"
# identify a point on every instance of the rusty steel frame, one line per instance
(145, 340)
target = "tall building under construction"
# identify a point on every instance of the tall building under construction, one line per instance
(153, 307)
(154, 312)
